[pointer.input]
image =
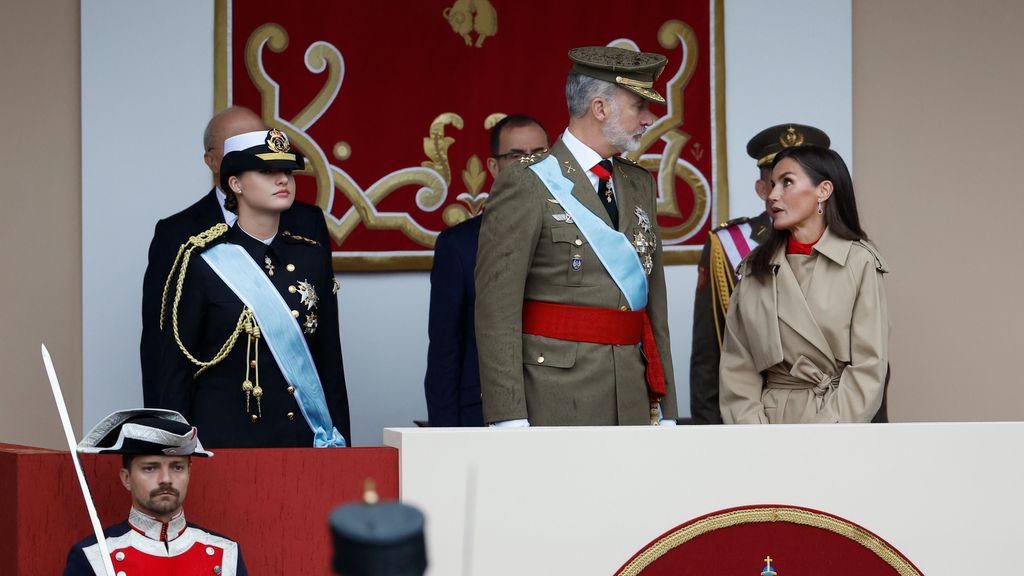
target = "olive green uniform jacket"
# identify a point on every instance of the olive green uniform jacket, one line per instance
(709, 309)
(526, 253)
(809, 343)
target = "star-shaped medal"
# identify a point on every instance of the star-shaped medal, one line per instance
(308, 293)
(642, 219)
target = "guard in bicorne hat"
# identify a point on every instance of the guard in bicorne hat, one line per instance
(156, 447)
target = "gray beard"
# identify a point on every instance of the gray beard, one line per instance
(616, 136)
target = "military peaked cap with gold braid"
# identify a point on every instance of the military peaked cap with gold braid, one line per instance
(628, 69)
(261, 150)
(768, 142)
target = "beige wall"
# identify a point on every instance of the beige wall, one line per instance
(938, 133)
(40, 222)
(938, 143)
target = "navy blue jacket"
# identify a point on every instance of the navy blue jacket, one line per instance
(452, 383)
(173, 231)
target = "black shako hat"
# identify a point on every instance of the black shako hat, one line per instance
(143, 431)
(262, 150)
(768, 142)
(378, 540)
(627, 69)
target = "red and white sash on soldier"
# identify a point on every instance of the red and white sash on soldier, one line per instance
(736, 242)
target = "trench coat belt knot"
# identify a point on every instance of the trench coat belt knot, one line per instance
(803, 376)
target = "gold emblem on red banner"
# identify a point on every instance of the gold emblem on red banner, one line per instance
(433, 177)
(467, 16)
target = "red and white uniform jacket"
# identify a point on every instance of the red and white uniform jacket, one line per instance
(149, 547)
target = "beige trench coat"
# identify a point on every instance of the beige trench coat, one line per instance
(810, 343)
(526, 251)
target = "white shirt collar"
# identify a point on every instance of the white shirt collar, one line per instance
(229, 216)
(585, 156)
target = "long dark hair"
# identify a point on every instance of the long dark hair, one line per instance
(841, 216)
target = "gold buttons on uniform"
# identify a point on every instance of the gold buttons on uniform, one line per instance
(252, 363)
(290, 267)
(291, 389)
(540, 359)
(295, 313)
(291, 289)
(291, 415)
(579, 242)
(254, 418)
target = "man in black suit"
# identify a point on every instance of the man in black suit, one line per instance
(452, 383)
(171, 232)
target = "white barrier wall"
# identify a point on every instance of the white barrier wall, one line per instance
(584, 500)
(147, 92)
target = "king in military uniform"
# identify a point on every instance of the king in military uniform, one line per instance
(252, 350)
(726, 246)
(571, 315)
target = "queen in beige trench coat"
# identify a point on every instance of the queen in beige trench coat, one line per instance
(807, 333)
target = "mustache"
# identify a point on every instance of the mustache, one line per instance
(164, 490)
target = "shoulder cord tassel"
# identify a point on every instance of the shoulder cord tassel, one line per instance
(722, 283)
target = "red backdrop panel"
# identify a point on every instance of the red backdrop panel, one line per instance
(390, 102)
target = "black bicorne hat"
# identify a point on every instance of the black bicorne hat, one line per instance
(144, 431)
(261, 150)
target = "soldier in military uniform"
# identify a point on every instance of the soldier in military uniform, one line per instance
(156, 447)
(571, 316)
(252, 348)
(726, 246)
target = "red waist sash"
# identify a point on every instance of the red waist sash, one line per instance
(598, 326)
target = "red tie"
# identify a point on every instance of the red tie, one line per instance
(603, 171)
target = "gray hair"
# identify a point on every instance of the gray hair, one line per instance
(580, 90)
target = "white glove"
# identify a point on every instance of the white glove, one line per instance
(520, 423)
(662, 421)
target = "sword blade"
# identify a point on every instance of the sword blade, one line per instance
(69, 434)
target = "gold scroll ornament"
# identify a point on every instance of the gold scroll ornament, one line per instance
(434, 176)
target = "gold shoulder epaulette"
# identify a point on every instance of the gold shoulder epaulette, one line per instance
(733, 222)
(533, 158)
(199, 241)
(628, 160)
(298, 238)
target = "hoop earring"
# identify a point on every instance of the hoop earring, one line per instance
(820, 210)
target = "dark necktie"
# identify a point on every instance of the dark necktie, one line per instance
(603, 170)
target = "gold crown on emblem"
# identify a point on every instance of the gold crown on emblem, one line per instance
(277, 141)
(791, 138)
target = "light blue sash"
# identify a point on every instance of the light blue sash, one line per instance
(611, 246)
(281, 332)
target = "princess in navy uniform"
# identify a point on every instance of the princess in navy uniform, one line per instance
(252, 350)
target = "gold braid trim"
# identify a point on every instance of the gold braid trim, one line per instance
(722, 283)
(198, 241)
(838, 526)
(246, 321)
